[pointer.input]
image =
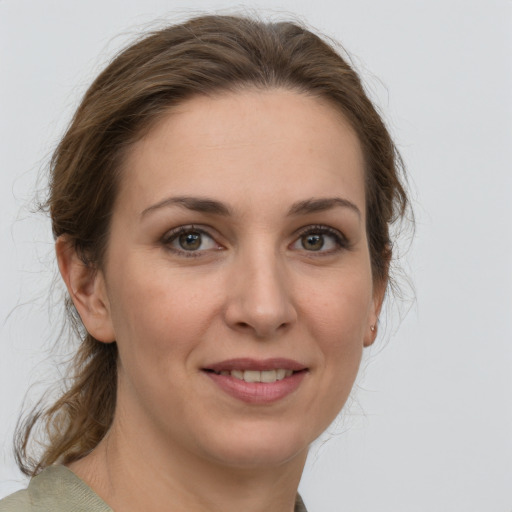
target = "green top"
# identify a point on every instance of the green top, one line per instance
(55, 489)
(58, 489)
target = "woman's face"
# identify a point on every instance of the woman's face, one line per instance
(238, 253)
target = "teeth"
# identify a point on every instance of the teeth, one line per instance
(280, 374)
(252, 376)
(267, 376)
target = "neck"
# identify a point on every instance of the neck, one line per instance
(174, 479)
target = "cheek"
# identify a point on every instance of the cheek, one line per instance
(338, 318)
(157, 329)
(158, 313)
(340, 308)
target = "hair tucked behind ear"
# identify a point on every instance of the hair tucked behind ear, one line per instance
(205, 55)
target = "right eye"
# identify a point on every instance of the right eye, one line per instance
(189, 241)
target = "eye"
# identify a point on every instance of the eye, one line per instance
(189, 239)
(321, 239)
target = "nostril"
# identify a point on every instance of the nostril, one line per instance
(263, 318)
(244, 326)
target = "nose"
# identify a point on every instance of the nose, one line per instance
(260, 297)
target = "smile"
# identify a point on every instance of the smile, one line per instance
(267, 376)
(257, 381)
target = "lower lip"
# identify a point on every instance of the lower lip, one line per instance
(258, 392)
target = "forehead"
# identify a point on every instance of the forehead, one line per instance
(244, 147)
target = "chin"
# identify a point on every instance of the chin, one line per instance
(246, 447)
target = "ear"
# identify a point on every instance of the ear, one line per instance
(86, 287)
(379, 292)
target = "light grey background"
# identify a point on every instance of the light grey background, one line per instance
(430, 426)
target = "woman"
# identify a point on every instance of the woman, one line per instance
(221, 204)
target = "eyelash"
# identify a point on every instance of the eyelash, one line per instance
(339, 239)
(175, 233)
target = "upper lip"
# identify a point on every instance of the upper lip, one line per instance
(244, 363)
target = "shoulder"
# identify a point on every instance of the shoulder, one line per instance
(55, 489)
(17, 502)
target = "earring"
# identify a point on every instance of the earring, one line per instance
(372, 328)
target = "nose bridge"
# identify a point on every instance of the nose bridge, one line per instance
(261, 299)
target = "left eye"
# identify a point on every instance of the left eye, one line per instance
(189, 240)
(320, 239)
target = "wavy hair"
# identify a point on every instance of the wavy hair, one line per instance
(205, 55)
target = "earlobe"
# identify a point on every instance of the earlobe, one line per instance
(370, 335)
(372, 328)
(86, 287)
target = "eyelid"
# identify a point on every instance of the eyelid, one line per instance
(339, 238)
(172, 234)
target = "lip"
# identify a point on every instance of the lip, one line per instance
(257, 392)
(256, 364)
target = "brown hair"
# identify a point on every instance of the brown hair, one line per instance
(204, 55)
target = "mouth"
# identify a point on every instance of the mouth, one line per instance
(267, 376)
(257, 381)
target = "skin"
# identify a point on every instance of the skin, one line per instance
(254, 288)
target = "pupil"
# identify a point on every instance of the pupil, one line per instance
(190, 241)
(313, 242)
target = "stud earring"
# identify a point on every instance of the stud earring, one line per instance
(372, 328)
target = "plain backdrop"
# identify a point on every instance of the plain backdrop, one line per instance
(429, 427)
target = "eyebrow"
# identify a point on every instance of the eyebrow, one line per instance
(320, 205)
(197, 204)
(212, 206)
